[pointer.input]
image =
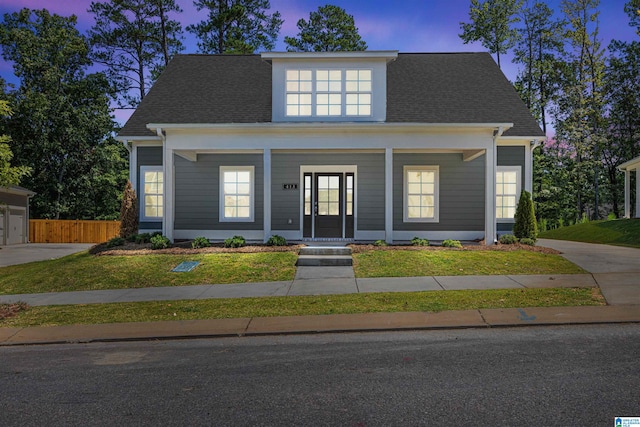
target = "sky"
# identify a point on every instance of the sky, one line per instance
(406, 26)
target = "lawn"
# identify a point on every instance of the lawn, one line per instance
(621, 232)
(401, 263)
(83, 271)
(304, 305)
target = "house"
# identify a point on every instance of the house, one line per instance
(334, 145)
(632, 165)
(14, 215)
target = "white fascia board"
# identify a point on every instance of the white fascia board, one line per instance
(137, 138)
(329, 126)
(388, 55)
(630, 165)
(17, 191)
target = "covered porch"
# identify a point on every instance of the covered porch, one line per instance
(632, 165)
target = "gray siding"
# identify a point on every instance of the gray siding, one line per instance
(148, 156)
(512, 156)
(13, 199)
(197, 192)
(369, 186)
(462, 192)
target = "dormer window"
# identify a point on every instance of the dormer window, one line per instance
(329, 93)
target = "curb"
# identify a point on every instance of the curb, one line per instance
(335, 323)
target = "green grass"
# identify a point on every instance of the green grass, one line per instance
(432, 301)
(399, 263)
(621, 232)
(83, 271)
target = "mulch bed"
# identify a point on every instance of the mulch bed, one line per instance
(184, 248)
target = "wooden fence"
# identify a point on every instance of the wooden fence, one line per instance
(72, 231)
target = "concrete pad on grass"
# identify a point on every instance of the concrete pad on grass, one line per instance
(555, 280)
(169, 293)
(324, 273)
(620, 288)
(323, 286)
(243, 290)
(398, 284)
(450, 283)
(7, 333)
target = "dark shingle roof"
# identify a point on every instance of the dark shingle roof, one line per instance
(421, 88)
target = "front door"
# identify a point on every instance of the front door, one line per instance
(328, 205)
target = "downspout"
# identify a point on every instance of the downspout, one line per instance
(492, 203)
(165, 221)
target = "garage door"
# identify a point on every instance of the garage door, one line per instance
(16, 227)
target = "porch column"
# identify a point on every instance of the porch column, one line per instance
(169, 208)
(490, 202)
(627, 194)
(267, 193)
(388, 195)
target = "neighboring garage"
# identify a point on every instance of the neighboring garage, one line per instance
(14, 215)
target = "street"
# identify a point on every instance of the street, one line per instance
(533, 376)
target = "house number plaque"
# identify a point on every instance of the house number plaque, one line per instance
(289, 186)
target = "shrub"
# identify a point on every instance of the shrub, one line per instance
(276, 240)
(380, 243)
(160, 242)
(142, 238)
(128, 212)
(529, 242)
(200, 242)
(234, 242)
(116, 241)
(451, 243)
(417, 241)
(508, 239)
(525, 226)
(611, 216)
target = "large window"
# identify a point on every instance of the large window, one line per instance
(507, 192)
(329, 93)
(236, 193)
(421, 193)
(152, 188)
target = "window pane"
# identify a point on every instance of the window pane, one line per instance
(352, 99)
(293, 110)
(365, 99)
(365, 110)
(322, 110)
(413, 212)
(323, 208)
(335, 86)
(428, 188)
(428, 212)
(293, 86)
(365, 74)
(230, 201)
(244, 176)
(243, 201)
(243, 212)
(322, 98)
(305, 99)
(244, 188)
(427, 201)
(510, 189)
(414, 188)
(352, 110)
(305, 86)
(334, 181)
(351, 86)
(428, 177)
(230, 212)
(413, 200)
(322, 86)
(323, 195)
(352, 74)
(365, 87)
(305, 110)
(293, 74)
(322, 75)
(305, 74)
(230, 188)
(334, 208)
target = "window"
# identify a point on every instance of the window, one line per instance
(421, 193)
(236, 193)
(152, 188)
(329, 93)
(507, 192)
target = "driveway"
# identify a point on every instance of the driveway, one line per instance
(616, 269)
(22, 254)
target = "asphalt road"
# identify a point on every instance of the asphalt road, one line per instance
(534, 376)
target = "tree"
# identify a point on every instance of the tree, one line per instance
(134, 39)
(329, 29)
(580, 108)
(492, 25)
(9, 175)
(61, 120)
(525, 226)
(538, 49)
(129, 212)
(236, 26)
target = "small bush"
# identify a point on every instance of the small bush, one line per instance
(380, 243)
(200, 242)
(417, 241)
(508, 239)
(276, 240)
(529, 242)
(452, 243)
(131, 238)
(235, 242)
(159, 242)
(116, 241)
(525, 225)
(611, 216)
(142, 238)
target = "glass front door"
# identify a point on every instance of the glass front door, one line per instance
(328, 205)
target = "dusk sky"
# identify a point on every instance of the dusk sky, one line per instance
(407, 26)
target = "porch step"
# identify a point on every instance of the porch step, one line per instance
(311, 256)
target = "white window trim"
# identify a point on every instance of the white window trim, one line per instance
(142, 215)
(405, 190)
(343, 94)
(251, 170)
(518, 170)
